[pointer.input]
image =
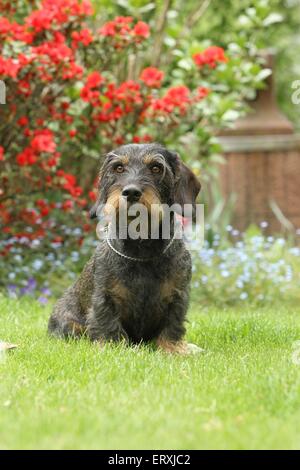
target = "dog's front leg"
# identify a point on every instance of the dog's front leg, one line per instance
(170, 339)
(103, 321)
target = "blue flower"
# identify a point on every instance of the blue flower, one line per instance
(11, 287)
(295, 251)
(243, 296)
(37, 264)
(264, 224)
(225, 273)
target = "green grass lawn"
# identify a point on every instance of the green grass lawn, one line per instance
(244, 392)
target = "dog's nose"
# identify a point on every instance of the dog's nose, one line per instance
(132, 193)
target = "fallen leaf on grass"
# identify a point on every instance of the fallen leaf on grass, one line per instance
(6, 346)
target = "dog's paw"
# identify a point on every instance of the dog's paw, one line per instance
(180, 347)
(193, 349)
(6, 346)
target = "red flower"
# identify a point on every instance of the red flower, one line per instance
(120, 25)
(152, 77)
(108, 29)
(87, 93)
(94, 79)
(84, 36)
(23, 121)
(56, 13)
(24, 87)
(9, 67)
(56, 50)
(53, 160)
(137, 139)
(129, 93)
(123, 20)
(71, 71)
(202, 92)
(44, 211)
(39, 20)
(210, 56)
(177, 97)
(43, 141)
(27, 132)
(119, 140)
(70, 178)
(40, 202)
(20, 33)
(86, 228)
(67, 205)
(5, 25)
(92, 195)
(141, 29)
(27, 157)
(122, 32)
(91, 96)
(1, 153)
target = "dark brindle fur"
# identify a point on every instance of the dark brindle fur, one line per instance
(116, 298)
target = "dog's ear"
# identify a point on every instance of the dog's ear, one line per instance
(100, 196)
(94, 208)
(187, 185)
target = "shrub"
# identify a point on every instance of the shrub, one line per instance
(73, 92)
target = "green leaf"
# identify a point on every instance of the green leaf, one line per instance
(231, 115)
(252, 231)
(273, 18)
(263, 74)
(185, 64)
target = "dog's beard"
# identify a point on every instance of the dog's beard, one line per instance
(113, 201)
(145, 215)
(152, 202)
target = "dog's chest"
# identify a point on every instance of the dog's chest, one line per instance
(142, 297)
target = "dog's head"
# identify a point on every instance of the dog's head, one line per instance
(146, 174)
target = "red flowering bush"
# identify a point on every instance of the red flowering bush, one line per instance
(152, 77)
(122, 30)
(71, 96)
(210, 56)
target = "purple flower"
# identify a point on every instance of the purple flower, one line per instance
(25, 290)
(11, 287)
(43, 300)
(31, 284)
(46, 291)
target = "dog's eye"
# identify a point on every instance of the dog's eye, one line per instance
(119, 168)
(156, 169)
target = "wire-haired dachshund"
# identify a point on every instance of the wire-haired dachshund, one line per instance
(134, 289)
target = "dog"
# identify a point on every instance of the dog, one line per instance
(134, 290)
